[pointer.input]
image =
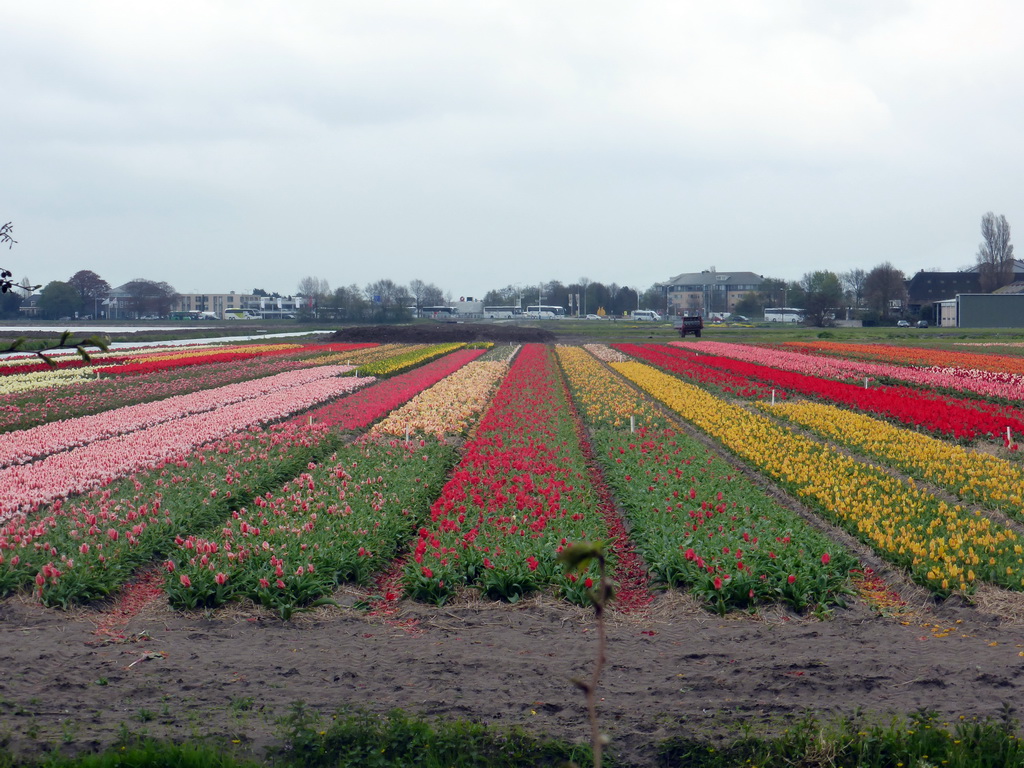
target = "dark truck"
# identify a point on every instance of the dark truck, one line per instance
(689, 324)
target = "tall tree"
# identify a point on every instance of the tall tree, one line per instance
(822, 294)
(995, 254)
(347, 303)
(315, 292)
(388, 299)
(59, 299)
(91, 288)
(885, 289)
(148, 297)
(10, 305)
(853, 285)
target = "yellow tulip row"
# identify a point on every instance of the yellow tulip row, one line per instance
(367, 355)
(408, 357)
(945, 547)
(974, 477)
(55, 377)
(605, 400)
(449, 407)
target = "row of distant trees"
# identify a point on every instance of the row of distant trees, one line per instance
(386, 300)
(84, 294)
(879, 291)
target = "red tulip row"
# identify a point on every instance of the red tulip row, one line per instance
(669, 359)
(954, 417)
(520, 494)
(973, 381)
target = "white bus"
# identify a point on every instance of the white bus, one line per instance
(545, 311)
(439, 313)
(783, 315)
(502, 313)
(242, 314)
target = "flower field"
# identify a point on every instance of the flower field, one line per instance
(944, 547)
(471, 468)
(947, 415)
(776, 544)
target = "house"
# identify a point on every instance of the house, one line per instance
(708, 292)
(927, 288)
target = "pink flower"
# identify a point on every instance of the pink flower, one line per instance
(185, 581)
(221, 578)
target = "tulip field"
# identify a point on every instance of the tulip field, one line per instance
(274, 473)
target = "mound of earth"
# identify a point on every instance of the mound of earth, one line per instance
(435, 333)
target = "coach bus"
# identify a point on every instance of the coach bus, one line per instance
(783, 315)
(439, 313)
(545, 311)
(502, 313)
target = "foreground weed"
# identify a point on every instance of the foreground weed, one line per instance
(915, 742)
(364, 739)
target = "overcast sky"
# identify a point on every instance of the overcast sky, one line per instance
(233, 145)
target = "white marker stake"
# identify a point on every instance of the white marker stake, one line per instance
(773, 397)
(632, 424)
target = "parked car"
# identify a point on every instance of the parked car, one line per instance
(902, 323)
(593, 317)
(922, 323)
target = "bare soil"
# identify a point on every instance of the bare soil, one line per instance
(677, 670)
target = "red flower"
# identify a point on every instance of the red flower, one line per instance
(532, 562)
(427, 572)
(825, 559)
(718, 582)
(790, 579)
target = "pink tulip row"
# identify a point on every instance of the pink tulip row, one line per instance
(972, 380)
(54, 437)
(29, 409)
(29, 486)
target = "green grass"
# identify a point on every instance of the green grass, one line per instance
(364, 740)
